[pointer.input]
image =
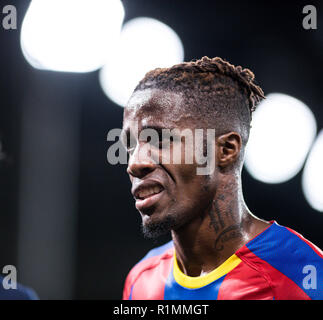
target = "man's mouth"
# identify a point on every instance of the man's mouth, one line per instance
(147, 194)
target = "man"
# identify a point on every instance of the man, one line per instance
(219, 249)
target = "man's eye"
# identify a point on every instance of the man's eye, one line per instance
(155, 143)
(161, 142)
(169, 140)
(166, 142)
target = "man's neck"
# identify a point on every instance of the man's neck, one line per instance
(206, 242)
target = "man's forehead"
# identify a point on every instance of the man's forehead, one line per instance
(153, 101)
(157, 108)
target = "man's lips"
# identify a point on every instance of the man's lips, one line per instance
(147, 193)
(142, 204)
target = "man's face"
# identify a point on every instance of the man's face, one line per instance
(167, 195)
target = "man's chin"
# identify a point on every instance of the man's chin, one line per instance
(155, 229)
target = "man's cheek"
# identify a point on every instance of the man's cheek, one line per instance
(188, 173)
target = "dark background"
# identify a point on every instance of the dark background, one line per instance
(105, 242)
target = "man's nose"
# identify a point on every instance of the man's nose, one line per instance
(140, 162)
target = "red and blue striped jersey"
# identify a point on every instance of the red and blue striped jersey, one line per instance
(279, 263)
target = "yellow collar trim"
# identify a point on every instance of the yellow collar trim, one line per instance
(201, 281)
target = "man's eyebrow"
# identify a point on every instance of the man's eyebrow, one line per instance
(126, 133)
(155, 127)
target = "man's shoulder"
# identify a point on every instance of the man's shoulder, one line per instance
(151, 260)
(280, 243)
(19, 293)
(153, 257)
(285, 256)
(158, 252)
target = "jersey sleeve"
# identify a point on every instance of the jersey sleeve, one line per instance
(147, 262)
(291, 263)
(127, 289)
(20, 293)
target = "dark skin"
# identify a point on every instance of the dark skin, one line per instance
(209, 218)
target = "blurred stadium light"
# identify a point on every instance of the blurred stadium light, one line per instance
(71, 36)
(145, 44)
(312, 180)
(283, 130)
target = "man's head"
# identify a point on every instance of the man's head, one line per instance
(202, 94)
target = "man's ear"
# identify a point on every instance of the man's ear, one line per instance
(228, 148)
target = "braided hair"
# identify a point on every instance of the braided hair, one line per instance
(214, 87)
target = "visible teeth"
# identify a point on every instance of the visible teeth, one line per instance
(149, 191)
